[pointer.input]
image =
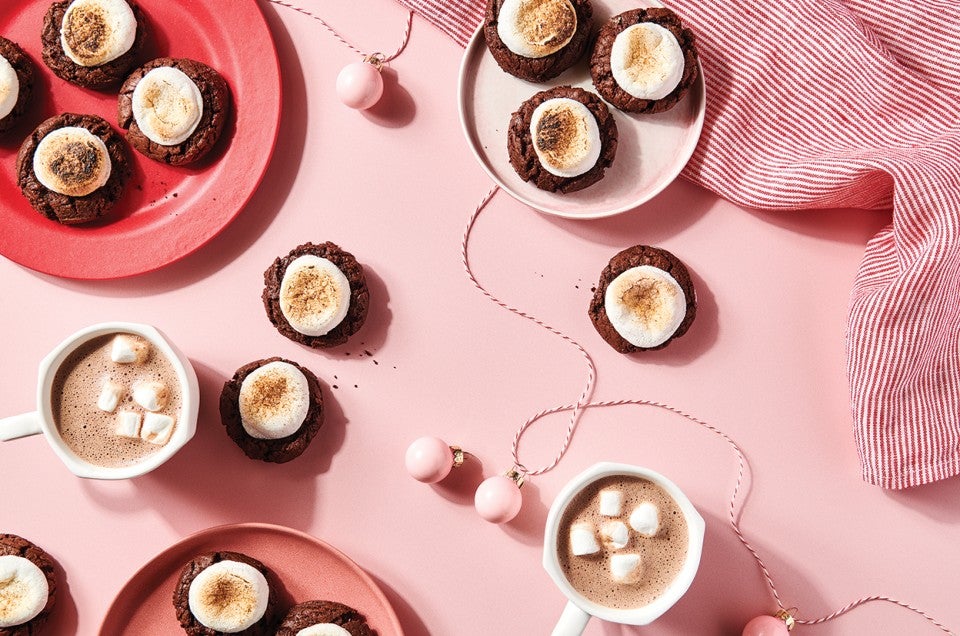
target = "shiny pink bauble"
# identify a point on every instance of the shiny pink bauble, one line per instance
(359, 85)
(429, 459)
(766, 626)
(498, 499)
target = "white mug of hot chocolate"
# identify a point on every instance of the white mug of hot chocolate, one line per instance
(613, 542)
(153, 415)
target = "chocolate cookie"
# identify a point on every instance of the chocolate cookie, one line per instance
(546, 14)
(190, 571)
(23, 68)
(310, 299)
(278, 450)
(602, 73)
(88, 35)
(523, 151)
(215, 97)
(12, 545)
(309, 613)
(646, 298)
(67, 209)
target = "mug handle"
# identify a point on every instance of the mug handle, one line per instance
(572, 622)
(20, 426)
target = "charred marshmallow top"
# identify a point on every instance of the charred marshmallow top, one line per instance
(645, 305)
(229, 596)
(9, 87)
(274, 400)
(167, 106)
(565, 136)
(536, 28)
(94, 32)
(314, 295)
(646, 61)
(72, 161)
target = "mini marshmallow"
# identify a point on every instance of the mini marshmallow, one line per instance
(167, 106)
(615, 533)
(645, 305)
(129, 349)
(625, 568)
(228, 596)
(323, 629)
(646, 61)
(72, 161)
(611, 503)
(314, 295)
(566, 137)
(274, 400)
(94, 32)
(109, 396)
(23, 591)
(536, 28)
(157, 428)
(9, 87)
(645, 519)
(128, 424)
(583, 539)
(152, 395)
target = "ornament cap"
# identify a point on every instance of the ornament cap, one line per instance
(786, 615)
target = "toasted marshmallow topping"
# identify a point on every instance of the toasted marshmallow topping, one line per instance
(323, 629)
(274, 400)
(167, 106)
(647, 61)
(72, 161)
(95, 32)
(536, 28)
(9, 87)
(23, 590)
(565, 136)
(645, 305)
(314, 295)
(229, 596)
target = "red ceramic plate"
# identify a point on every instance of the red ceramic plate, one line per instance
(165, 212)
(307, 567)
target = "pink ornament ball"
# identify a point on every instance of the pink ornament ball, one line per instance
(429, 459)
(498, 499)
(359, 85)
(766, 626)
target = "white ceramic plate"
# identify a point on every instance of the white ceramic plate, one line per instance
(653, 149)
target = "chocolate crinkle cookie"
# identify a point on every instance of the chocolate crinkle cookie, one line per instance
(28, 587)
(325, 616)
(316, 295)
(16, 83)
(562, 139)
(272, 409)
(174, 110)
(644, 60)
(93, 43)
(226, 593)
(536, 40)
(644, 300)
(83, 166)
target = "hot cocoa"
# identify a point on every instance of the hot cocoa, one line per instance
(116, 400)
(622, 541)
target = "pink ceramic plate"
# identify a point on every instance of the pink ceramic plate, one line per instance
(307, 567)
(653, 148)
(165, 212)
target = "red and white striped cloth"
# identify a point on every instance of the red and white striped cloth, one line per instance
(846, 104)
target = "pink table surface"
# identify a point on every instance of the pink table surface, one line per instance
(764, 362)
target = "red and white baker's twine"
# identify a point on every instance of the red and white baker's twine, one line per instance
(583, 403)
(380, 56)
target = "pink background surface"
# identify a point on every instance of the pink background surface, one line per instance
(763, 361)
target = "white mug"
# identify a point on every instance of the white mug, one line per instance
(42, 421)
(580, 609)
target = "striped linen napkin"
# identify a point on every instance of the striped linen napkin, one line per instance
(846, 104)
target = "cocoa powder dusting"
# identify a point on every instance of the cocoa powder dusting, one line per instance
(311, 292)
(269, 395)
(645, 297)
(230, 592)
